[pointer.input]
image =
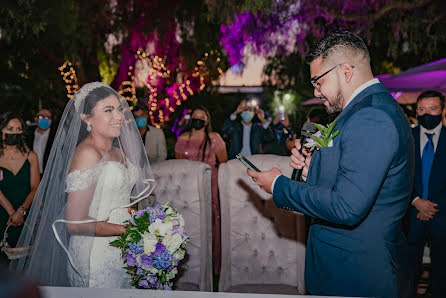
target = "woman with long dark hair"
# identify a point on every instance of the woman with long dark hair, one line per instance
(199, 143)
(19, 177)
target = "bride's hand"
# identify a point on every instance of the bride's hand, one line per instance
(130, 209)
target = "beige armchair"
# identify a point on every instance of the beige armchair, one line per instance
(187, 186)
(263, 247)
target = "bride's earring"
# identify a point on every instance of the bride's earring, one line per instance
(88, 127)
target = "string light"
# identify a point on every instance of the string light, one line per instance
(177, 92)
(70, 78)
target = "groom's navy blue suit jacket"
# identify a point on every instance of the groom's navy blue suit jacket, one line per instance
(358, 191)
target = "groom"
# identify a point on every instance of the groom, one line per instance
(357, 190)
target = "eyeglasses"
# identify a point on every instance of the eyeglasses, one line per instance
(315, 79)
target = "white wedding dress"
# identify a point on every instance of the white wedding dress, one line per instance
(99, 263)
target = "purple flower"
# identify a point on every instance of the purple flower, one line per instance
(130, 259)
(143, 283)
(146, 260)
(167, 287)
(178, 230)
(162, 261)
(153, 280)
(156, 212)
(139, 271)
(159, 248)
(138, 214)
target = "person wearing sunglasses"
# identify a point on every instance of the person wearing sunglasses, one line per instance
(357, 188)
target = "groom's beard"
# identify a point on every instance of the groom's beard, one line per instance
(336, 105)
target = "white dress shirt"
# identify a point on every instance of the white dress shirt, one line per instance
(246, 148)
(39, 145)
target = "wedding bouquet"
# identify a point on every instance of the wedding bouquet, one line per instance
(152, 246)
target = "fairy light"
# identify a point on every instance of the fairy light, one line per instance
(70, 78)
(160, 109)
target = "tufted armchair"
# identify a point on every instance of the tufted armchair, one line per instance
(263, 247)
(187, 185)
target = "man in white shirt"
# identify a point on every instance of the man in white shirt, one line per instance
(41, 137)
(427, 218)
(245, 136)
(152, 137)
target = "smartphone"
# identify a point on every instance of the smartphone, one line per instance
(247, 163)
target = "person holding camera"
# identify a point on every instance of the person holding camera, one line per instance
(245, 136)
(284, 137)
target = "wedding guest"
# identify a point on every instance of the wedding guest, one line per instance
(244, 135)
(200, 143)
(357, 187)
(427, 221)
(152, 137)
(41, 136)
(19, 177)
(282, 142)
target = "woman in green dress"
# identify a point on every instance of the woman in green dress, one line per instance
(19, 177)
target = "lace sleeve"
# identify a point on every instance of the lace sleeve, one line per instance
(81, 179)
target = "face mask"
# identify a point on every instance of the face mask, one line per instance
(247, 116)
(12, 139)
(141, 122)
(429, 121)
(197, 123)
(44, 123)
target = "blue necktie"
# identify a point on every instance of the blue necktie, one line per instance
(426, 164)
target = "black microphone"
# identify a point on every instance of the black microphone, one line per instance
(307, 130)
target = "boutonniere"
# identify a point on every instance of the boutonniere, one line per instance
(323, 136)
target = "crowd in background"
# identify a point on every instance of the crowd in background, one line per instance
(25, 149)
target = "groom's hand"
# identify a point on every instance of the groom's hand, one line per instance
(264, 179)
(298, 161)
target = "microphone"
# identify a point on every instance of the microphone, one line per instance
(307, 130)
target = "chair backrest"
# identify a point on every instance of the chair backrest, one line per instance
(187, 186)
(261, 244)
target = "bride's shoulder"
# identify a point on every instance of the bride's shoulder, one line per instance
(85, 156)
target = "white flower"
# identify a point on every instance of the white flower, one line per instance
(153, 270)
(179, 255)
(161, 229)
(173, 243)
(181, 221)
(169, 210)
(172, 273)
(150, 242)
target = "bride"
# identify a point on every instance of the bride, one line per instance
(96, 170)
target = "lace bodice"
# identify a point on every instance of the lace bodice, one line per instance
(99, 263)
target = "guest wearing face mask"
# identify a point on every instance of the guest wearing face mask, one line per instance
(152, 137)
(427, 215)
(19, 177)
(244, 135)
(41, 136)
(199, 143)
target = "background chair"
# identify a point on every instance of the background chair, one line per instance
(187, 186)
(263, 247)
